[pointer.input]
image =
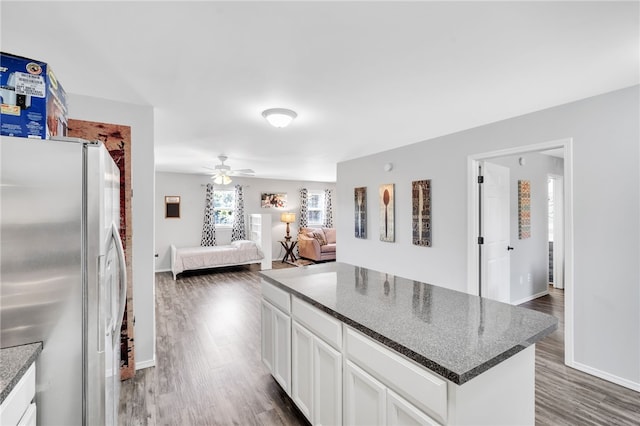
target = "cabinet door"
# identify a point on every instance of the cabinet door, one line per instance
(402, 412)
(302, 368)
(282, 349)
(267, 335)
(365, 401)
(327, 384)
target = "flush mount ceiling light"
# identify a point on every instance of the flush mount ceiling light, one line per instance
(279, 117)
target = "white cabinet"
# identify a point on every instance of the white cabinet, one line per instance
(316, 377)
(18, 408)
(415, 384)
(369, 402)
(365, 398)
(327, 384)
(302, 368)
(402, 412)
(316, 367)
(282, 350)
(276, 344)
(267, 340)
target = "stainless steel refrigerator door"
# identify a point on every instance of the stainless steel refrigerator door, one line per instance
(41, 267)
(103, 252)
(116, 287)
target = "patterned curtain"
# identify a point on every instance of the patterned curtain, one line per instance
(208, 226)
(328, 210)
(238, 232)
(304, 195)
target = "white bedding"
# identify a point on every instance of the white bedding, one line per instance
(237, 253)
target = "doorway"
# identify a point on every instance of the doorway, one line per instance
(475, 249)
(555, 186)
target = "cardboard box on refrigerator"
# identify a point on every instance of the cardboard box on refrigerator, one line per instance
(33, 102)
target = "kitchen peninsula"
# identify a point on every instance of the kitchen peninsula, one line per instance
(357, 346)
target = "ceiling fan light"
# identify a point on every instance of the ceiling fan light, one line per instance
(221, 180)
(279, 117)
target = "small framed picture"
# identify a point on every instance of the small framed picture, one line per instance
(278, 201)
(172, 207)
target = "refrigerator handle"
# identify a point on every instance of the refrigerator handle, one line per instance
(101, 296)
(123, 280)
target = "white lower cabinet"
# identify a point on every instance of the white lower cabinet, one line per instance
(327, 384)
(369, 402)
(302, 368)
(316, 377)
(365, 398)
(276, 344)
(402, 412)
(19, 408)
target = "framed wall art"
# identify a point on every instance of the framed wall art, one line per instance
(524, 209)
(172, 206)
(387, 202)
(360, 219)
(421, 212)
(271, 200)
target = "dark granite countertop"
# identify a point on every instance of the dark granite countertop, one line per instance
(14, 362)
(453, 334)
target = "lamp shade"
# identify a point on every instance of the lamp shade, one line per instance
(288, 217)
(279, 117)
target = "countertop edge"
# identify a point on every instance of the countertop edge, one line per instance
(16, 374)
(457, 378)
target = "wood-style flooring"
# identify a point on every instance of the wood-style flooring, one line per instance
(208, 369)
(565, 396)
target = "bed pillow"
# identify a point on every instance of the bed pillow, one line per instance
(243, 244)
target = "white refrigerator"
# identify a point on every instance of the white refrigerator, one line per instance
(62, 273)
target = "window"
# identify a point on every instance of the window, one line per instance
(315, 207)
(223, 206)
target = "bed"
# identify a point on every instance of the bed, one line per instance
(242, 252)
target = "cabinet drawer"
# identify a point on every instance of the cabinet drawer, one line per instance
(423, 389)
(320, 323)
(17, 402)
(276, 296)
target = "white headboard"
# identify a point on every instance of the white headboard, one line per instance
(260, 232)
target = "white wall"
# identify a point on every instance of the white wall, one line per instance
(606, 192)
(140, 118)
(187, 231)
(530, 256)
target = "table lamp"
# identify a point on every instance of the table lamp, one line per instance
(288, 218)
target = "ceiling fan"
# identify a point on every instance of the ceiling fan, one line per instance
(223, 173)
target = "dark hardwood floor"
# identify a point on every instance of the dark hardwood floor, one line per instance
(565, 396)
(208, 369)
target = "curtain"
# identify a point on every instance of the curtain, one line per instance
(304, 194)
(238, 232)
(328, 210)
(208, 225)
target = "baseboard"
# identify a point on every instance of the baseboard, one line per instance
(528, 298)
(164, 270)
(605, 376)
(145, 364)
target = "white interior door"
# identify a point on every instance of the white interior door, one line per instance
(558, 231)
(495, 271)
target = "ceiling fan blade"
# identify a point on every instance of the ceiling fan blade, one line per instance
(247, 171)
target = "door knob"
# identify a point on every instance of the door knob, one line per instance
(509, 248)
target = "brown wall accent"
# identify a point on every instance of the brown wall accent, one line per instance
(117, 139)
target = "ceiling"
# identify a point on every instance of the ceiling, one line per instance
(364, 77)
